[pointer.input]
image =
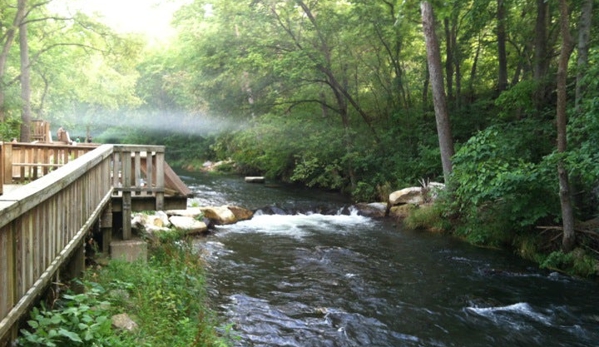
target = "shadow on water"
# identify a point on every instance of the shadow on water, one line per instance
(346, 280)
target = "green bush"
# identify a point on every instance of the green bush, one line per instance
(10, 129)
(576, 262)
(77, 320)
(502, 183)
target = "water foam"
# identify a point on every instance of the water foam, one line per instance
(299, 225)
(521, 308)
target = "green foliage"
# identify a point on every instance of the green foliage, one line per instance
(576, 262)
(517, 102)
(166, 296)
(78, 320)
(502, 184)
(428, 217)
(10, 129)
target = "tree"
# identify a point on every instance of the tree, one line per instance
(25, 74)
(436, 77)
(501, 49)
(584, 38)
(569, 236)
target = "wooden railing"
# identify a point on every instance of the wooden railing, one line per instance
(138, 170)
(26, 162)
(43, 223)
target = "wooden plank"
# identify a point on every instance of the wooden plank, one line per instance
(36, 165)
(134, 148)
(173, 181)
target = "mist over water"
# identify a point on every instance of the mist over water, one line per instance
(312, 279)
(181, 123)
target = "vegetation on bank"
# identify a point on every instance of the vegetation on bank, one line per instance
(165, 297)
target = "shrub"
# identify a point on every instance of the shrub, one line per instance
(502, 184)
(78, 319)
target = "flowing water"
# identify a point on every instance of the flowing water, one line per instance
(315, 279)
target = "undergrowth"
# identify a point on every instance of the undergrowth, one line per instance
(164, 296)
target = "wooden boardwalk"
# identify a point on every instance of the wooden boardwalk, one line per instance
(71, 193)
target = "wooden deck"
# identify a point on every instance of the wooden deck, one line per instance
(44, 223)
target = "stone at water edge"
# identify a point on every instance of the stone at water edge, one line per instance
(241, 213)
(411, 195)
(188, 224)
(220, 215)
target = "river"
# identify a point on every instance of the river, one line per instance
(312, 279)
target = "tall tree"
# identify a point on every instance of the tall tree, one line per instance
(8, 38)
(569, 237)
(584, 39)
(501, 43)
(439, 99)
(25, 74)
(541, 49)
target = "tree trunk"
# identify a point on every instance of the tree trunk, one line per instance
(457, 65)
(425, 90)
(569, 237)
(25, 76)
(471, 91)
(501, 51)
(584, 38)
(436, 76)
(448, 58)
(540, 57)
(9, 39)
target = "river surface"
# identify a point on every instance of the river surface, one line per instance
(312, 279)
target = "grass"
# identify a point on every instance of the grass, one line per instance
(165, 297)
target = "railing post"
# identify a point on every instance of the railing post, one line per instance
(7, 159)
(106, 228)
(126, 182)
(160, 181)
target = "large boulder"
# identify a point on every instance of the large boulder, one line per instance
(411, 195)
(219, 215)
(188, 224)
(241, 213)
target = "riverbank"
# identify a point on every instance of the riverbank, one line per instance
(543, 248)
(161, 302)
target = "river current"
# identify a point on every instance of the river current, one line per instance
(310, 278)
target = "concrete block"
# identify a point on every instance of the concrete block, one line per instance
(129, 250)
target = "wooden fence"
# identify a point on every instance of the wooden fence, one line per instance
(44, 223)
(26, 162)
